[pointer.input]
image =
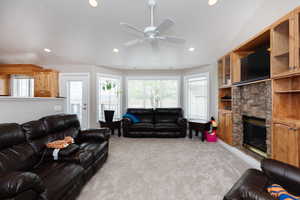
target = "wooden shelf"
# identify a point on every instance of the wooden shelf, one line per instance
(225, 86)
(284, 75)
(287, 91)
(225, 111)
(253, 82)
(282, 53)
(226, 100)
(295, 122)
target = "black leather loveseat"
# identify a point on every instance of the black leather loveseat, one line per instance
(160, 123)
(253, 184)
(26, 175)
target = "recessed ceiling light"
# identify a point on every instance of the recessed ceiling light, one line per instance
(212, 2)
(93, 3)
(191, 49)
(47, 50)
(116, 50)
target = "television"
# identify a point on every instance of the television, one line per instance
(256, 66)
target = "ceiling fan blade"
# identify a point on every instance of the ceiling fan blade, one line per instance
(172, 39)
(165, 25)
(131, 27)
(133, 42)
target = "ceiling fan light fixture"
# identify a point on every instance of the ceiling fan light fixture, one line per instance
(212, 2)
(115, 50)
(93, 3)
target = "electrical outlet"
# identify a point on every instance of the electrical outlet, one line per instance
(58, 108)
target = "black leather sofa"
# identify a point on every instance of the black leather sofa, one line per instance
(26, 175)
(158, 123)
(252, 185)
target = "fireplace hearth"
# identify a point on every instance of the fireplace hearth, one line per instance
(255, 135)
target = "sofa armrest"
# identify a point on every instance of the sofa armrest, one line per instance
(99, 135)
(252, 184)
(283, 174)
(15, 183)
(182, 122)
(126, 122)
(252, 193)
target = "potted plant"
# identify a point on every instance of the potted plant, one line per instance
(109, 114)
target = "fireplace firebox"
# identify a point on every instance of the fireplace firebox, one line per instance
(255, 135)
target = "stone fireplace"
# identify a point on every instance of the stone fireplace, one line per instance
(252, 101)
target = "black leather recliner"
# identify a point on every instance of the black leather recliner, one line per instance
(158, 123)
(25, 175)
(253, 184)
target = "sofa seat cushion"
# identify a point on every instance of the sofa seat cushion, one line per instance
(52, 172)
(166, 127)
(142, 127)
(97, 149)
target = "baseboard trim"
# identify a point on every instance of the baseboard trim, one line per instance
(248, 159)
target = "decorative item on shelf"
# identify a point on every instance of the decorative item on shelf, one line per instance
(211, 135)
(109, 114)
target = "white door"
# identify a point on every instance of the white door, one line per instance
(75, 88)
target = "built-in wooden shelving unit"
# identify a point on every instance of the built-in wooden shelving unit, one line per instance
(225, 98)
(283, 38)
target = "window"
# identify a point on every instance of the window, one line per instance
(197, 97)
(153, 93)
(22, 86)
(109, 95)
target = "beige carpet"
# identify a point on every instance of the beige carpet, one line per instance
(164, 169)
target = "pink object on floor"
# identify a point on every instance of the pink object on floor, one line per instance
(211, 137)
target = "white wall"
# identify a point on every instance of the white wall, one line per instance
(21, 110)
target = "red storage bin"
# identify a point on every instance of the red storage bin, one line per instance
(211, 137)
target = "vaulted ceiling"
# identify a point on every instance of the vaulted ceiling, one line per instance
(79, 34)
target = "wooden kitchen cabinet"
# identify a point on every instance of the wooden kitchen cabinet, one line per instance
(285, 145)
(4, 85)
(46, 83)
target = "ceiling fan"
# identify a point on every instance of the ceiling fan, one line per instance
(153, 33)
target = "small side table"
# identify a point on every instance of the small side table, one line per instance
(112, 126)
(198, 126)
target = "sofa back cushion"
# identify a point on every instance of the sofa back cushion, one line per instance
(51, 128)
(15, 153)
(145, 115)
(167, 115)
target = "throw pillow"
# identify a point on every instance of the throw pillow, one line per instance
(132, 117)
(280, 193)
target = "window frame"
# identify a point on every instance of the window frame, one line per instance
(103, 75)
(177, 78)
(186, 93)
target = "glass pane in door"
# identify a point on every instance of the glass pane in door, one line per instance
(76, 98)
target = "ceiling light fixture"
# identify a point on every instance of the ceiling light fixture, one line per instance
(116, 50)
(93, 3)
(212, 2)
(191, 49)
(47, 50)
